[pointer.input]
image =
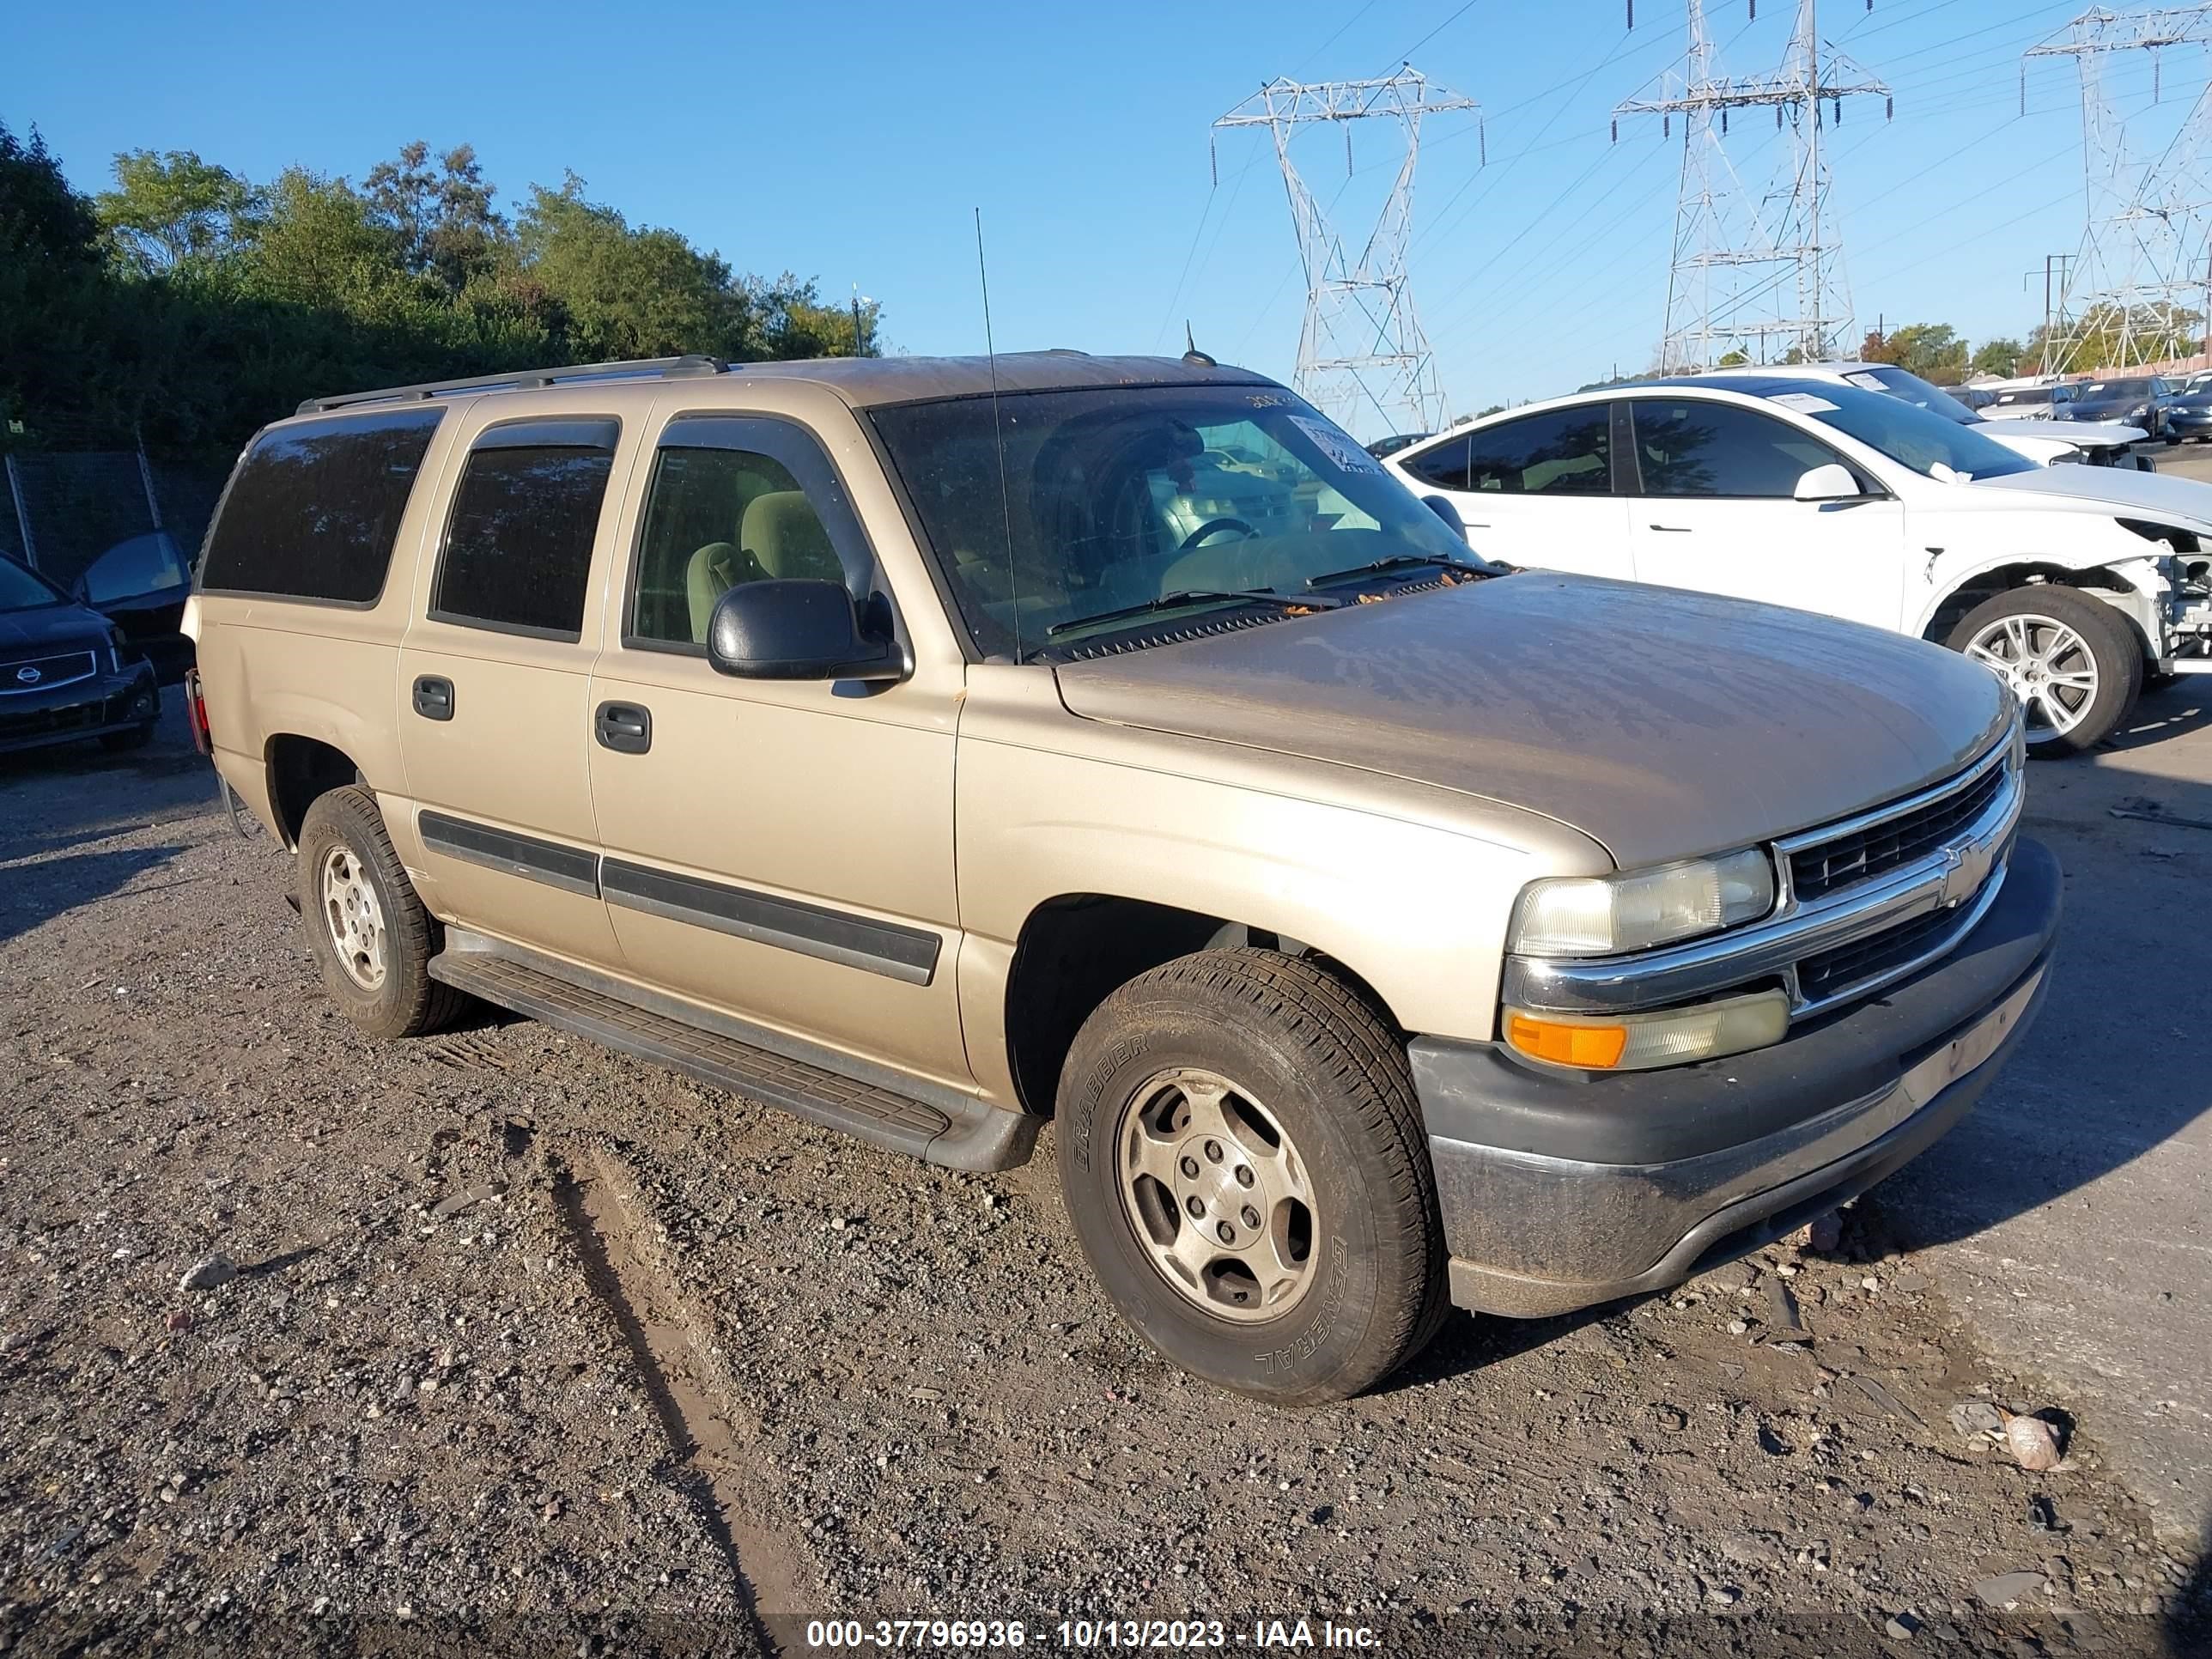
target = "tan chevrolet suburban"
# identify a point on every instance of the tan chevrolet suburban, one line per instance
(931, 748)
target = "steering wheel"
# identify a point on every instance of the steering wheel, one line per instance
(1212, 527)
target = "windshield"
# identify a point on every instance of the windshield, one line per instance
(1929, 443)
(2112, 390)
(20, 590)
(1903, 383)
(1112, 498)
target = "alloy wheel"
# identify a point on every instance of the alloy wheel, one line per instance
(355, 918)
(1218, 1194)
(2048, 666)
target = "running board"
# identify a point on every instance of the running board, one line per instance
(954, 1130)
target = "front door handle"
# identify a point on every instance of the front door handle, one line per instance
(434, 697)
(624, 727)
(1672, 529)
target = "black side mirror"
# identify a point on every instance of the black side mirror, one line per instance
(1442, 506)
(799, 630)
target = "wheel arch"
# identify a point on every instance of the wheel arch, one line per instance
(300, 768)
(2102, 579)
(1075, 948)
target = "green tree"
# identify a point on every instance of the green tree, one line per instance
(166, 211)
(1998, 357)
(617, 292)
(1732, 360)
(442, 219)
(1934, 351)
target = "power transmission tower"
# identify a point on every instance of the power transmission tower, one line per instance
(2143, 268)
(1362, 346)
(1742, 280)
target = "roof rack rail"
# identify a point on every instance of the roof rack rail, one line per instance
(526, 380)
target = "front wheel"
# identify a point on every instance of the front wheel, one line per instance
(2074, 662)
(1243, 1158)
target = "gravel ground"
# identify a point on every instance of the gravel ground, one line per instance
(533, 1347)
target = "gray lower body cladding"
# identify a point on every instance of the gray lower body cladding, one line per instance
(1560, 1191)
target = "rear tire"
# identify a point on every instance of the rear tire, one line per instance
(367, 927)
(2075, 663)
(1266, 1093)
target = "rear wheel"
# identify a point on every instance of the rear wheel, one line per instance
(1243, 1161)
(2074, 662)
(370, 935)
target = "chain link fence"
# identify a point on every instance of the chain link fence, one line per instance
(59, 512)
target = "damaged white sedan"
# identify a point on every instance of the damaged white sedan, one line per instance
(2074, 584)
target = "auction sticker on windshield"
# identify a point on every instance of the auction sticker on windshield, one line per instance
(1804, 403)
(1334, 445)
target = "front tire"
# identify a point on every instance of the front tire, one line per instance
(367, 927)
(2074, 662)
(1243, 1157)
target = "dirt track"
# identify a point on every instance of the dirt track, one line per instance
(537, 1341)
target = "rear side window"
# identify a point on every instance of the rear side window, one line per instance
(312, 510)
(518, 547)
(1568, 452)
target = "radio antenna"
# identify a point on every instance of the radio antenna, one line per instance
(998, 432)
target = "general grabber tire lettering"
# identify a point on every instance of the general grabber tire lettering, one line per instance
(2076, 664)
(1243, 1160)
(370, 935)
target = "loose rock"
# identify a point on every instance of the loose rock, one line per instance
(216, 1270)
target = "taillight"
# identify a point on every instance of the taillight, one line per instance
(196, 713)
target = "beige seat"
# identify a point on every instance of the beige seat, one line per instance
(784, 535)
(713, 571)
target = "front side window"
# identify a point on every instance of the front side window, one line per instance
(1568, 452)
(519, 546)
(715, 519)
(312, 509)
(1691, 447)
(133, 568)
(1051, 509)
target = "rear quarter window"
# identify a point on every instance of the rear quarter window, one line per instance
(313, 508)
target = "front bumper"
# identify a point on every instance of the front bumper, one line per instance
(82, 708)
(1561, 1190)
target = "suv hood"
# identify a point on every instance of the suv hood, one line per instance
(2111, 491)
(1663, 725)
(2082, 435)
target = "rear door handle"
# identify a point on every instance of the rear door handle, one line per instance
(1672, 529)
(624, 727)
(434, 697)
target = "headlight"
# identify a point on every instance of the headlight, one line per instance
(1604, 915)
(1636, 1042)
(2139, 411)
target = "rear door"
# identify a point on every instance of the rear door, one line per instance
(495, 681)
(1536, 490)
(1715, 511)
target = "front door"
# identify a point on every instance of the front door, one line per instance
(780, 850)
(1715, 513)
(1536, 490)
(494, 685)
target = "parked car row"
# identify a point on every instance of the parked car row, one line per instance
(934, 747)
(2071, 582)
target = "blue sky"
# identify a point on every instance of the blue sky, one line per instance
(851, 143)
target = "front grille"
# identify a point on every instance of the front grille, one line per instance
(46, 672)
(1817, 871)
(1833, 972)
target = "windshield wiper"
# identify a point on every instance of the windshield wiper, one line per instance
(1404, 562)
(1194, 596)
